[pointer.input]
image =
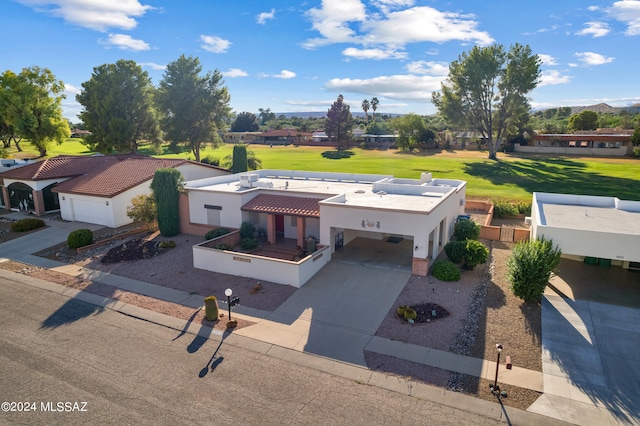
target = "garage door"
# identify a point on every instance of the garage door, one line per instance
(90, 212)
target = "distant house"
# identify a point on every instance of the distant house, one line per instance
(604, 142)
(241, 137)
(77, 133)
(92, 189)
(284, 137)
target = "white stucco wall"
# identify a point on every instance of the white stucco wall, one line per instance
(191, 171)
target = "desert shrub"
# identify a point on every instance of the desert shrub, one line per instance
(79, 238)
(466, 230)
(215, 233)
(445, 270)
(143, 210)
(248, 243)
(503, 209)
(475, 253)
(28, 224)
(167, 244)
(455, 250)
(247, 230)
(524, 207)
(530, 266)
(225, 246)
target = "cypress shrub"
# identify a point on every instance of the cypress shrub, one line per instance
(240, 163)
(247, 230)
(166, 185)
(79, 238)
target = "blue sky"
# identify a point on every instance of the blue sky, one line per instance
(300, 55)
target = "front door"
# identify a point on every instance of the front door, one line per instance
(279, 224)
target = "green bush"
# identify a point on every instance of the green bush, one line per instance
(445, 270)
(167, 244)
(215, 233)
(530, 266)
(248, 243)
(524, 207)
(79, 238)
(28, 224)
(475, 253)
(247, 230)
(466, 229)
(503, 209)
(225, 246)
(455, 250)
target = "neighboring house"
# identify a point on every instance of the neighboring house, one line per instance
(92, 189)
(605, 142)
(284, 137)
(241, 137)
(333, 208)
(588, 228)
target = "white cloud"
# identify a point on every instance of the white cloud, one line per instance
(591, 58)
(263, 17)
(235, 72)
(593, 8)
(377, 54)
(404, 87)
(284, 74)
(595, 29)
(547, 59)
(93, 14)
(214, 44)
(552, 77)
(394, 24)
(153, 66)
(71, 90)
(332, 21)
(627, 11)
(428, 67)
(125, 42)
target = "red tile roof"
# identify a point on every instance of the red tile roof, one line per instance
(282, 204)
(101, 175)
(108, 180)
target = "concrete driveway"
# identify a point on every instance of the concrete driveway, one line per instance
(336, 313)
(590, 354)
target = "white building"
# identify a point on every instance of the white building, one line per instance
(590, 227)
(334, 208)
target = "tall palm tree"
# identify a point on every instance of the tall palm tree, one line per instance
(365, 108)
(374, 106)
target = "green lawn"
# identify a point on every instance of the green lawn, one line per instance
(512, 177)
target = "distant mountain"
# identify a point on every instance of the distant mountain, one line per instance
(606, 109)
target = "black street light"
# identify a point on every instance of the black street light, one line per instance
(495, 389)
(231, 302)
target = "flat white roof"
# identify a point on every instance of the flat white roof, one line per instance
(361, 190)
(588, 213)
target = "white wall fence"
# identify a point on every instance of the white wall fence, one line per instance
(279, 271)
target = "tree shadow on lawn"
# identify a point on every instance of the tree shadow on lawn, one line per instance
(338, 154)
(558, 175)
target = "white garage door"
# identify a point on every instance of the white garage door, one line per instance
(90, 211)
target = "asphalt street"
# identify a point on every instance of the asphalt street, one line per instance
(69, 362)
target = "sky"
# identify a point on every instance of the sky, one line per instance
(298, 56)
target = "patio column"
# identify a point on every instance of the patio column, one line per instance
(300, 226)
(38, 203)
(5, 197)
(271, 228)
(436, 242)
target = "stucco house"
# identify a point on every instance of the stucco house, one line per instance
(587, 228)
(93, 189)
(333, 208)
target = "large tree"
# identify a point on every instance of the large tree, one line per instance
(31, 106)
(339, 122)
(486, 91)
(585, 120)
(365, 107)
(245, 122)
(374, 106)
(412, 132)
(118, 108)
(194, 106)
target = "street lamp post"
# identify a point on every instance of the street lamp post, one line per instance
(495, 388)
(228, 292)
